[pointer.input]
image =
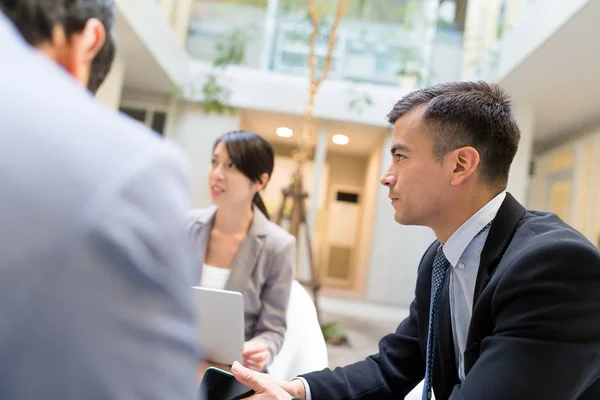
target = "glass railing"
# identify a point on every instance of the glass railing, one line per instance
(487, 56)
(227, 33)
(386, 51)
(365, 51)
(446, 59)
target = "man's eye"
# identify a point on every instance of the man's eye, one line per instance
(399, 156)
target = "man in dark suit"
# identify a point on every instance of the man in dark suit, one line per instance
(507, 301)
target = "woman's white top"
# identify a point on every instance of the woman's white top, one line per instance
(214, 277)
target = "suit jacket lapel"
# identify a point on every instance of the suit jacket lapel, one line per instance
(202, 228)
(250, 249)
(501, 233)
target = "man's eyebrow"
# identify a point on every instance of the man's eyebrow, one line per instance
(399, 147)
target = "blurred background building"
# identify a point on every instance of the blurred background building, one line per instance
(194, 69)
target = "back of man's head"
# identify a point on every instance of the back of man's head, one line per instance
(476, 114)
(37, 20)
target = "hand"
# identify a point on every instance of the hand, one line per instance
(256, 354)
(267, 387)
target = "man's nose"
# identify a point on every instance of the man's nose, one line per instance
(388, 179)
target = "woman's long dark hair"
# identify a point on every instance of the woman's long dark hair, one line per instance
(252, 155)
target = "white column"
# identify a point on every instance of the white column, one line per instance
(303, 270)
(112, 88)
(167, 6)
(195, 132)
(181, 19)
(396, 250)
(518, 179)
(173, 111)
(269, 33)
(319, 164)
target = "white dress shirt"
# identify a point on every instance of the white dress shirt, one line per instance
(214, 277)
(463, 251)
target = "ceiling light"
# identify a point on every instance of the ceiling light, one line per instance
(284, 132)
(340, 139)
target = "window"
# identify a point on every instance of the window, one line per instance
(137, 114)
(154, 119)
(158, 122)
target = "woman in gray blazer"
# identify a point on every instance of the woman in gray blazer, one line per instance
(240, 249)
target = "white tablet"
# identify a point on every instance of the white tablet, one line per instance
(221, 324)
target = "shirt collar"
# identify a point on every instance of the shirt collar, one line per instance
(460, 239)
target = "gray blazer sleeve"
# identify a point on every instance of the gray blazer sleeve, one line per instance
(122, 324)
(271, 324)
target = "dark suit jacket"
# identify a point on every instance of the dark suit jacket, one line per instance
(534, 332)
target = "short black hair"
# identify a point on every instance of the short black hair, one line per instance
(36, 19)
(477, 114)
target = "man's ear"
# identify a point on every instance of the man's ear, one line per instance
(76, 52)
(83, 47)
(465, 160)
(91, 39)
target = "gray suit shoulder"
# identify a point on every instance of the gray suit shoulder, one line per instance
(279, 237)
(73, 158)
(196, 214)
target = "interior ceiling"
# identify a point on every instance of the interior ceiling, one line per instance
(364, 139)
(562, 78)
(142, 72)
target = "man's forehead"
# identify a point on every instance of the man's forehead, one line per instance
(408, 125)
(413, 118)
(409, 132)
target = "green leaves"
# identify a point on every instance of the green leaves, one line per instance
(358, 101)
(215, 96)
(333, 332)
(231, 49)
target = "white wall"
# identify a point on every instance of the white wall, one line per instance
(111, 90)
(518, 179)
(152, 26)
(273, 91)
(396, 251)
(195, 132)
(532, 31)
(578, 161)
(178, 14)
(538, 21)
(369, 209)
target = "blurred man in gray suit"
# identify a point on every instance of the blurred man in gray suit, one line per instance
(95, 265)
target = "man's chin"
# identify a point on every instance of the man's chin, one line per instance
(403, 219)
(398, 218)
